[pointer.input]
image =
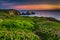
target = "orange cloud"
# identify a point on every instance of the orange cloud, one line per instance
(36, 7)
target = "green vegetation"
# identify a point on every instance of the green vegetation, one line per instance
(29, 28)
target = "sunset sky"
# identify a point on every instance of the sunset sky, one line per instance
(30, 4)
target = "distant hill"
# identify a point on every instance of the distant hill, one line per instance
(9, 11)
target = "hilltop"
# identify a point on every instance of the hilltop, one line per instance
(30, 28)
(16, 27)
(9, 11)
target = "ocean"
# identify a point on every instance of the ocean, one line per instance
(54, 14)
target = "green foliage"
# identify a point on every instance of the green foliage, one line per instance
(14, 35)
(9, 27)
(17, 24)
(47, 30)
(31, 28)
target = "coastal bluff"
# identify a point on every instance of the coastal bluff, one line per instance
(9, 12)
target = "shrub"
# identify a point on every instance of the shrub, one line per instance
(47, 30)
(14, 35)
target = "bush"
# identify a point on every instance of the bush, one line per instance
(17, 24)
(47, 30)
(13, 26)
(17, 30)
(14, 35)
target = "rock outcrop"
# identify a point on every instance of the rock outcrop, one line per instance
(9, 11)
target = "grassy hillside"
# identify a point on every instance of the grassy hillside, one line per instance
(29, 28)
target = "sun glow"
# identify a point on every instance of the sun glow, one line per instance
(36, 7)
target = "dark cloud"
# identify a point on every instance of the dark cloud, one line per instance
(6, 3)
(31, 1)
